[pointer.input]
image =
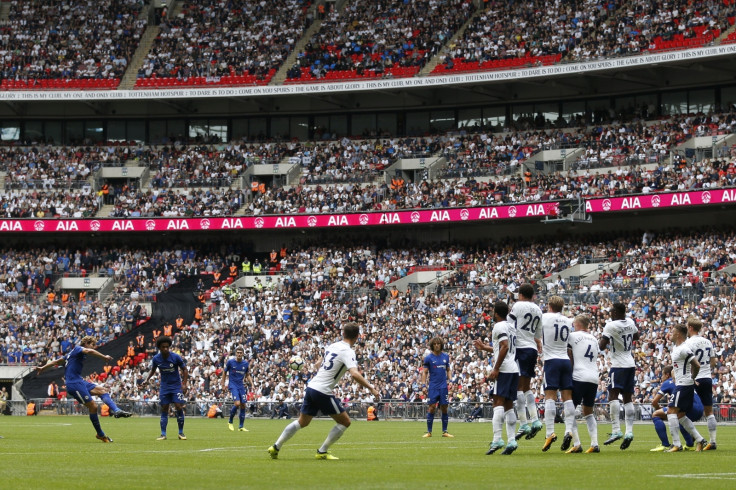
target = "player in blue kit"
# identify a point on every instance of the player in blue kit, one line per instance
(174, 379)
(659, 417)
(437, 366)
(237, 369)
(81, 389)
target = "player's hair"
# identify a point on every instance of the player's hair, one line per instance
(436, 340)
(164, 339)
(526, 290)
(555, 303)
(501, 309)
(351, 330)
(681, 329)
(583, 320)
(667, 369)
(240, 347)
(87, 340)
(695, 323)
(618, 311)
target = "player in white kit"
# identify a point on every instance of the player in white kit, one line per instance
(527, 318)
(685, 367)
(339, 358)
(556, 329)
(620, 333)
(706, 356)
(583, 350)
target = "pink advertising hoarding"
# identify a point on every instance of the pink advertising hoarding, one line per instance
(535, 210)
(661, 200)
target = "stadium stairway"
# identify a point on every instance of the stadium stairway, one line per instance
(4, 11)
(136, 62)
(437, 59)
(178, 299)
(280, 75)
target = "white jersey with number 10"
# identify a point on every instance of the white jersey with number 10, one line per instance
(620, 335)
(527, 318)
(556, 329)
(339, 357)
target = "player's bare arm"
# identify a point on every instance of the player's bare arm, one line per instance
(96, 354)
(362, 381)
(55, 362)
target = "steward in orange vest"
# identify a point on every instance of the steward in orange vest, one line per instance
(168, 329)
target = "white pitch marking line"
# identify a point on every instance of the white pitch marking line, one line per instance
(704, 476)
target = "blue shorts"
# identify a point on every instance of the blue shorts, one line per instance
(506, 386)
(558, 374)
(314, 402)
(437, 395)
(80, 391)
(704, 389)
(584, 392)
(168, 398)
(684, 398)
(238, 392)
(527, 361)
(622, 379)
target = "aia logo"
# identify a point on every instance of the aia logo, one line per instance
(312, 221)
(259, 222)
(655, 201)
(415, 217)
(606, 205)
(512, 212)
(706, 197)
(363, 219)
(205, 224)
(150, 225)
(39, 225)
(94, 225)
(464, 214)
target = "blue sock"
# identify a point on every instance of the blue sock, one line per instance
(686, 435)
(164, 422)
(108, 401)
(96, 423)
(242, 416)
(445, 418)
(180, 420)
(232, 413)
(430, 421)
(661, 427)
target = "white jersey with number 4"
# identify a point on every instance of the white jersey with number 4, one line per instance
(620, 335)
(681, 357)
(703, 350)
(505, 331)
(527, 317)
(584, 355)
(339, 357)
(556, 329)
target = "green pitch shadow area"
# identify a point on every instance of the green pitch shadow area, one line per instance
(62, 452)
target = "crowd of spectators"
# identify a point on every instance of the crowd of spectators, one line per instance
(583, 30)
(174, 203)
(50, 203)
(370, 38)
(215, 39)
(57, 39)
(663, 279)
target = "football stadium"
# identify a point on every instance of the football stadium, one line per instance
(367, 243)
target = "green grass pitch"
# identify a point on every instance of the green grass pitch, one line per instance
(62, 452)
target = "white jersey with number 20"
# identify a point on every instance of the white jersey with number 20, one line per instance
(527, 317)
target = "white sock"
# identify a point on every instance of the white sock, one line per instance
(615, 408)
(521, 407)
(510, 417)
(575, 433)
(569, 408)
(674, 429)
(592, 429)
(531, 406)
(629, 416)
(288, 433)
(335, 433)
(498, 424)
(550, 408)
(688, 425)
(712, 427)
